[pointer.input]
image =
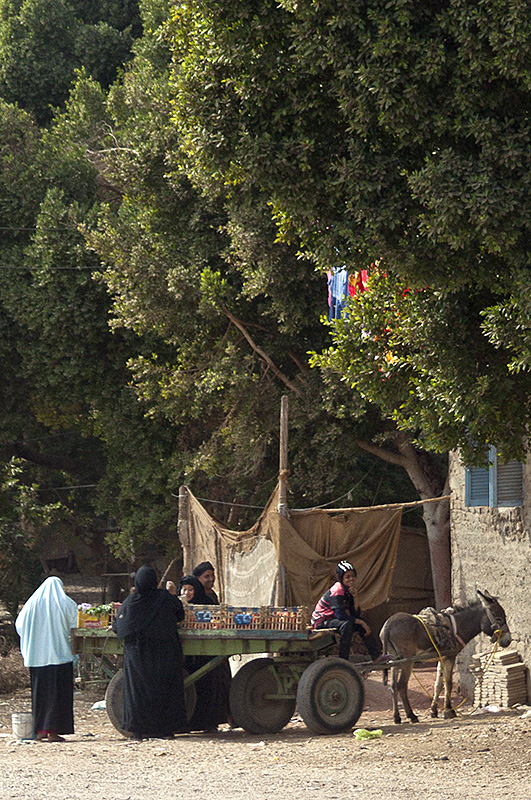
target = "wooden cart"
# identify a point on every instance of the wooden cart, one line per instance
(295, 672)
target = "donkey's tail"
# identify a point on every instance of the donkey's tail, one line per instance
(388, 649)
(384, 637)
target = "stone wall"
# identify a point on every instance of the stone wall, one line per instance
(491, 549)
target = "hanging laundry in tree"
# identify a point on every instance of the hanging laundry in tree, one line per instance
(338, 291)
(357, 282)
(341, 286)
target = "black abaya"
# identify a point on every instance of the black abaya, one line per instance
(153, 689)
(52, 697)
(212, 691)
(212, 694)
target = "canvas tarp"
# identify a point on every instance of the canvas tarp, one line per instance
(291, 561)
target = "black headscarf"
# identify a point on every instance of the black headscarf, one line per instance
(199, 590)
(210, 598)
(202, 567)
(141, 607)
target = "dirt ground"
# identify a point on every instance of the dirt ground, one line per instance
(481, 756)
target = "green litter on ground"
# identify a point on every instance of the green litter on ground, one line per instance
(362, 734)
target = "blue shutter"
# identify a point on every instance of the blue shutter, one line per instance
(498, 485)
(476, 486)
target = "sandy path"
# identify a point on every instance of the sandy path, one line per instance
(480, 756)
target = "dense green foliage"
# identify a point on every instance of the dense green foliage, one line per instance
(231, 315)
(23, 520)
(393, 128)
(395, 131)
(43, 42)
(165, 233)
(210, 320)
(416, 354)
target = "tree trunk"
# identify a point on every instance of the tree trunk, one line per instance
(437, 521)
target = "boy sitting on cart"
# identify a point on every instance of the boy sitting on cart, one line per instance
(337, 609)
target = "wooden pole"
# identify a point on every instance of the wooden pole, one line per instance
(283, 473)
(182, 529)
(283, 459)
(166, 573)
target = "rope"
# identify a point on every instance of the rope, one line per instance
(413, 504)
(337, 499)
(441, 659)
(428, 695)
(224, 503)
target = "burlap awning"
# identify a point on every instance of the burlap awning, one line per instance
(291, 561)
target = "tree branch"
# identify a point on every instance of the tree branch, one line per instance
(381, 452)
(301, 366)
(18, 450)
(261, 352)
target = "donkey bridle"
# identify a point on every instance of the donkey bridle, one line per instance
(496, 625)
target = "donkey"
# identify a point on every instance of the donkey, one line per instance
(404, 636)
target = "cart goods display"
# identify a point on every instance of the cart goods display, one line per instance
(93, 616)
(269, 618)
(293, 667)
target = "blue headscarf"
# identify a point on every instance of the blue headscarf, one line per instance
(44, 625)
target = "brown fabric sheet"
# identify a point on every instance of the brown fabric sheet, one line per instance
(308, 546)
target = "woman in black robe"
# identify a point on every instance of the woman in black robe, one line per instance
(212, 691)
(153, 689)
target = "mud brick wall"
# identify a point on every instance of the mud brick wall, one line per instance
(491, 549)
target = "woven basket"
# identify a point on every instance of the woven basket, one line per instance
(203, 617)
(209, 617)
(295, 618)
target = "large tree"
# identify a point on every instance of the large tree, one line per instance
(211, 320)
(68, 409)
(374, 126)
(233, 311)
(392, 131)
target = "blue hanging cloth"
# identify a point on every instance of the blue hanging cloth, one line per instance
(338, 292)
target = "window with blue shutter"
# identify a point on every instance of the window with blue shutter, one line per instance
(496, 485)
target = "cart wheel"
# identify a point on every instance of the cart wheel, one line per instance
(114, 702)
(330, 695)
(250, 707)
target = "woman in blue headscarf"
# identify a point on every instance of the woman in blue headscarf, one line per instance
(44, 626)
(153, 689)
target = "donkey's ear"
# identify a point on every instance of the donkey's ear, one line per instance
(485, 597)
